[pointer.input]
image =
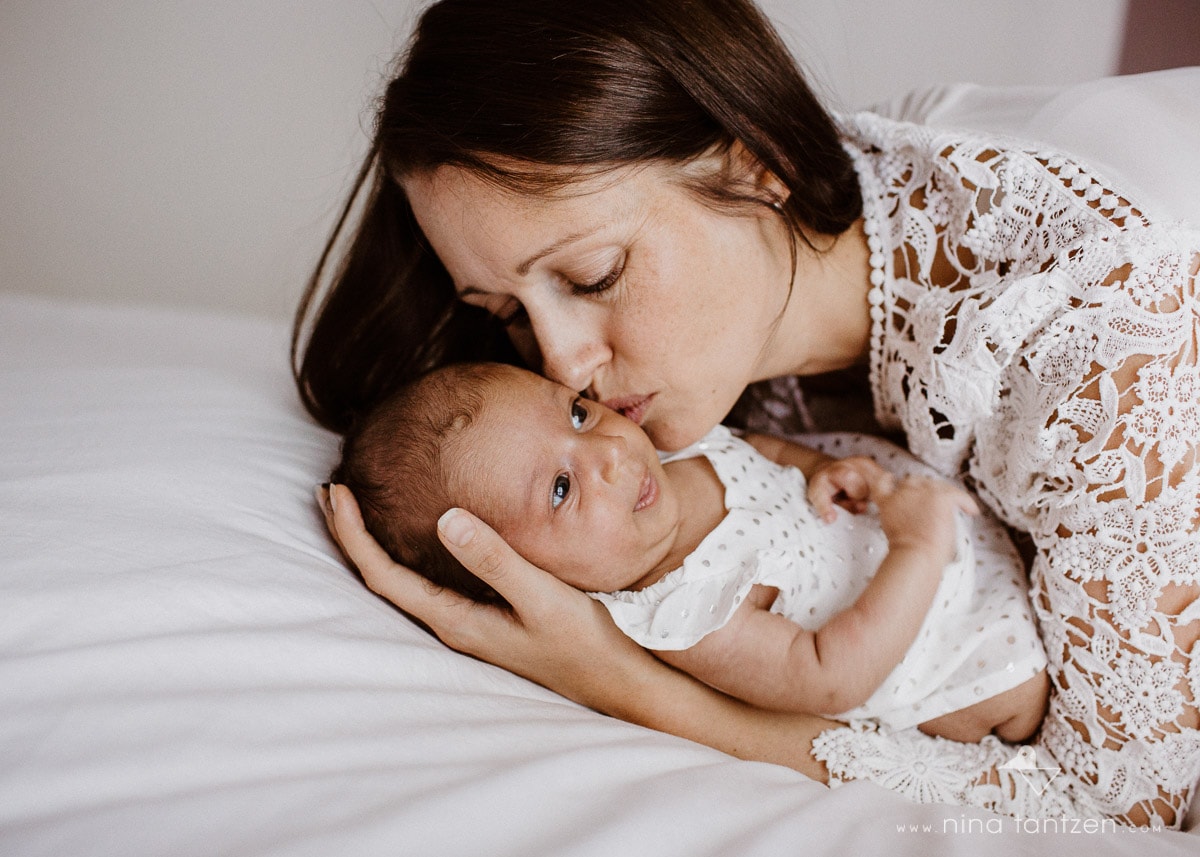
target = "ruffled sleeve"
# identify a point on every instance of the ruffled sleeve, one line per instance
(684, 606)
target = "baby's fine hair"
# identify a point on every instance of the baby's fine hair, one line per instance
(394, 461)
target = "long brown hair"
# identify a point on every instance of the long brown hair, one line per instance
(510, 89)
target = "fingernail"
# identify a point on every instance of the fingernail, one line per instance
(329, 494)
(458, 527)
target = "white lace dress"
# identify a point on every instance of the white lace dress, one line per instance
(977, 640)
(1036, 333)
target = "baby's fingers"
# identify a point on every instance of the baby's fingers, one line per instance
(841, 483)
(821, 493)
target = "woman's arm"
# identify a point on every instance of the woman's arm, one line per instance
(562, 639)
(1107, 480)
(774, 663)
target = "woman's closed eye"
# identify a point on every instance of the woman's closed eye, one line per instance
(602, 285)
(562, 488)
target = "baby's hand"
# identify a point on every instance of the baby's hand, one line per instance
(920, 512)
(851, 483)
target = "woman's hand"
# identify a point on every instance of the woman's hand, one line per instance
(558, 637)
(554, 634)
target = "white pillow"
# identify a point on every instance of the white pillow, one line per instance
(1142, 129)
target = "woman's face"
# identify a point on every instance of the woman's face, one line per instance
(625, 286)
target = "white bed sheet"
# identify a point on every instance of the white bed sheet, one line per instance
(186, 666)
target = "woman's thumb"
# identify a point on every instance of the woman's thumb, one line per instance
(479, 548)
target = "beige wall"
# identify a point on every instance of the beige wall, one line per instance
(194, 152)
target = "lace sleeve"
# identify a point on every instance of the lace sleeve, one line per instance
(1116, 580)
(1107, 478)
(989, 775)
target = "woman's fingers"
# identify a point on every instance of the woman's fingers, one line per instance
(486, 555)
(437, 607)
(321, 493)
(348, 528)
(554, 634)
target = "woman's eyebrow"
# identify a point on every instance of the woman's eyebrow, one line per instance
(524, 267)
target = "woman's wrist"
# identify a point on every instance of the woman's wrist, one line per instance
(669, 700)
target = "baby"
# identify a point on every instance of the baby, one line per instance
(728, 559)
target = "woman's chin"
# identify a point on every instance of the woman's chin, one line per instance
(672, 436)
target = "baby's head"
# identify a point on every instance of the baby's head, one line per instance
(575, 488)
(397, 459)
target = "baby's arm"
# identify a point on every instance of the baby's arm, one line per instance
(769, 661)
(845, 482)
(783, 451)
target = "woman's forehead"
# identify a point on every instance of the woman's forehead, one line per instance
(470, 219)
(457, 188)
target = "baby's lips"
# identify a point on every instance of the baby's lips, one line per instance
(648, 493)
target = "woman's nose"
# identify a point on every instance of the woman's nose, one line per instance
(571, 346)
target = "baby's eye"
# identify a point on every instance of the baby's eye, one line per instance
(579, 414)
(562, 487)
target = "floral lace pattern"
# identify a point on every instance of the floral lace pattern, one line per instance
(1037, 334)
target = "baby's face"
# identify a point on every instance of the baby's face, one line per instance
(574, 487)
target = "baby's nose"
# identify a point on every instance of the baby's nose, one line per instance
(612, 457)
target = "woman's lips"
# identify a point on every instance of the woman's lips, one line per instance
(631, 407)
(648, 494)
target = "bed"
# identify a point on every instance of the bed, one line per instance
(188, 667)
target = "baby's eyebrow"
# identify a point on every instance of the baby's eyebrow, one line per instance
(531, 490)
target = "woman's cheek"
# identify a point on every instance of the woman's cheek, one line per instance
(525, 343)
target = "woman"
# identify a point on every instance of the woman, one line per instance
(645, 202)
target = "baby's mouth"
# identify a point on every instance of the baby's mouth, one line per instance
(648, 493)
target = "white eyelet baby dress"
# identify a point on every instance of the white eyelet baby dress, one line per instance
(977, 640)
